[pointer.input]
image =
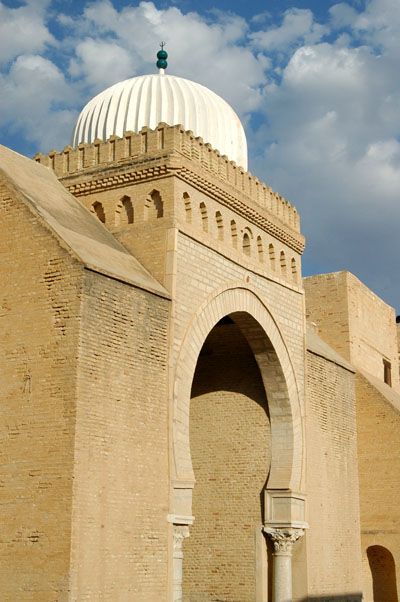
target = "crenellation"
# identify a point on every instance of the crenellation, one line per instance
(115, 150)
(111, 142)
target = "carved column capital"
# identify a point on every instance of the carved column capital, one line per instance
(180, 532)
(283, 539)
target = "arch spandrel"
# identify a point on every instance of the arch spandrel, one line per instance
(271, 353)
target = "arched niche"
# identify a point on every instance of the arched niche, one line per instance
(204, 216)
(220, 225)
(124, 213)
(271, 253)
(282, 260)
(234, 233)
(98, 210)
(260, 249)
(266, 341)
(187, 203)
(153, 206)
(383, 572)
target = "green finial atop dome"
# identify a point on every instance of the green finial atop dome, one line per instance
(162, 56)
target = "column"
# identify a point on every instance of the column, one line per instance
(283, 540)
(179, 534)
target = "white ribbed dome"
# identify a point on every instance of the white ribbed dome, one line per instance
(150, 99)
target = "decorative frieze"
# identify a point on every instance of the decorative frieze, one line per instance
(116, 154)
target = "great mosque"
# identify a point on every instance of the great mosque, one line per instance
(184, 418)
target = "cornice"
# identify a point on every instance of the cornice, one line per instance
(266, 221)
(118, 176)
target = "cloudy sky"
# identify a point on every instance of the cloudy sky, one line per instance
(316, 83)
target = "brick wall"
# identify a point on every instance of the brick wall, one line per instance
(230, 446)
(194, 261)
(327, 306)
(120, 529)
(39, 328)
(200, 271)
(354, 321)
(378, 427)
(84, 471)
(201, 217)
(373, 331)
(333, 544)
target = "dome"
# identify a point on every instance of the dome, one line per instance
(148, 100)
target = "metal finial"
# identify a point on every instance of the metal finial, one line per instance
(162, 56)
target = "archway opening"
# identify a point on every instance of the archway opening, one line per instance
(383, 572)
(98, 210)
(225, 557)
(124, 213)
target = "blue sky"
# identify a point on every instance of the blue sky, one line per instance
(316, 85)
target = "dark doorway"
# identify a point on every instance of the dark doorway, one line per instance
(383, 572)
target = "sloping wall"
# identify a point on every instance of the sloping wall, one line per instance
(39, 330)
(120, 528)
(83, 355)
(378, 428)
(333, 540)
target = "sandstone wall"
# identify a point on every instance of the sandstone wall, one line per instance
(39, 330)
(378, 427)
(333, 541)
(230, 445)
(201, 271)
(179, 203)
(327, 306)
(144, 231)
(219, 228)
(120, 528)
(354, 321)
(373, 331)
(84, 468)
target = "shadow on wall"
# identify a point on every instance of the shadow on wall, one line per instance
(383, 571)
(342, 598)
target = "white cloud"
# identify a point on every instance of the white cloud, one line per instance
(101, 63)
(342, 15)
(334, 150)
(23, 30)
(123, 43)
(378, 25)
(33, 94)
(297, 25)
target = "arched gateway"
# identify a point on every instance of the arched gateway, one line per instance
(281, 506)
(177, 375)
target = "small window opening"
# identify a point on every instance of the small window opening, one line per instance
(188, 207)
(98, 209)
(234, 233)
(271, 252)
(246, 244)
(294, 269)
(124, 212)
(260, 249)
(220, 225)
(387, 372)
(204, 216)
(153, 207)
(283, 262)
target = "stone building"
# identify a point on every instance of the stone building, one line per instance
(183, 417)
